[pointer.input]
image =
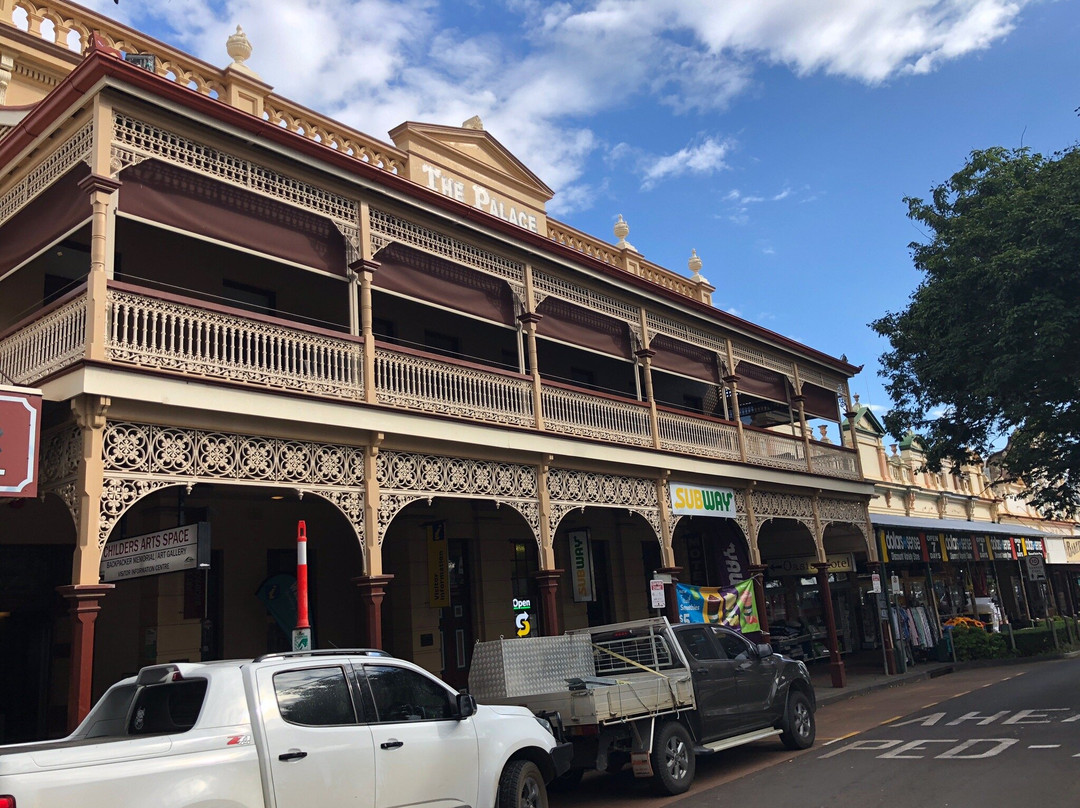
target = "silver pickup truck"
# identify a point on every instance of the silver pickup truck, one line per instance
(651, 694)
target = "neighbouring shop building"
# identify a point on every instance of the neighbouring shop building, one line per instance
(242, 315)
(959, 544)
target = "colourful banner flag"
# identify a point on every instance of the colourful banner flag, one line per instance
(734, 607)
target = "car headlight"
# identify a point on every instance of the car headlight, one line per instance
(545, 724)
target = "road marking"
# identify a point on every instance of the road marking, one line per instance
(841, 738)
(1045, 746)
(890, 720)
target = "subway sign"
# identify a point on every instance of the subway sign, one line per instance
(698, 500)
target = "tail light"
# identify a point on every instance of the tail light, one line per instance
(7, 801)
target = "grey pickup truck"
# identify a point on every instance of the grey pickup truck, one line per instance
(651, 694)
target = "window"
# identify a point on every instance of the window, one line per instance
(315, 697)
(734, 646)
(697, 644)
(172, 707)
(252, 298)
(404, 695)
(446, 344)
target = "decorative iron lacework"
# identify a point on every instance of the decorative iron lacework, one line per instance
(848, 511)
(134, 140)
(386, 228)
(772, 505)
(684, 332)
(406, 477)
(569, 489)
(589, 298)
(74, 150)
(61, 449)
(140, 458)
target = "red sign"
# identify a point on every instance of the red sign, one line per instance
(20, 438)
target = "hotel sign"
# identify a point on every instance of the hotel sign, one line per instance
(20, 438)
(479, 197)
(804, 565)
(179, 548)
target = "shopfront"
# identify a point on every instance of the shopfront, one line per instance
(796, 611)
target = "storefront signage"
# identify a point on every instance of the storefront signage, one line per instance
(522, 620)
(1003, 548)
(804, 565)
(933, 547)
(1033, 546)
(478, 196)
(959, 548)
(178, 548)
(20, 436)
(581, 566)
(1072, 551)
(438, 566)
(899, 548)
(696, 500)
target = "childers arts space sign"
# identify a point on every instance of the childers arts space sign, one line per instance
(178, 548)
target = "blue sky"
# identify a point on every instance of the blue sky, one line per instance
(776, 137)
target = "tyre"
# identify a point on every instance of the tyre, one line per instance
(522, 786)
(673, 760)
(798, 728)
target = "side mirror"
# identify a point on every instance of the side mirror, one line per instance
(466, 706)
(764, 650)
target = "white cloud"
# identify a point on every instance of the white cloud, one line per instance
(550, 67)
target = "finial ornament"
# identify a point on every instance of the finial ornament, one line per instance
(622, 230)
(238, 46)
(473, 123)
(694, 265)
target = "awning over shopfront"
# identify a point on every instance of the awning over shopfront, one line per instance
(957, 526)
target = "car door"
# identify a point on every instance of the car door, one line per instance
(317, 750)
(715, 688)
(424, 755)
(755, 677)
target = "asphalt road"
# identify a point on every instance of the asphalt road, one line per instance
(1005, 737)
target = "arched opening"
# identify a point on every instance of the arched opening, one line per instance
(793, 604)
(609, 555)
(459, 567)
(712, 552)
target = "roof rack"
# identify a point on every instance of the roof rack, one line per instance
(374, 652)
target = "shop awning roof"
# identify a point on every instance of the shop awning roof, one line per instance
(957, 526)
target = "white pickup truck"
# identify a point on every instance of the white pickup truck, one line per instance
(318, 728)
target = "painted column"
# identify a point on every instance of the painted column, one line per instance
(372, 591)
(732, 381)
(102, 192)
(645, 356)
(671, 610)
(836, 663)
(800, 402)
(529, 321)
(549, 600)
(365, 270)
(85, 603)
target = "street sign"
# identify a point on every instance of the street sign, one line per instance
(1036, 568)
(656, 592)
(875, 581)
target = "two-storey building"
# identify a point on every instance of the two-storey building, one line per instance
(243, 315)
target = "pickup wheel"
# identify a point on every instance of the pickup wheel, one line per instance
(522, 786)
(798, 728)
(673, 760)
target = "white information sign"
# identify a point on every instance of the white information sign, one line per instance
(178, 548)
(656, 592)
(875, 580)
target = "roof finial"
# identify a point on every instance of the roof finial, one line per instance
(473, 123)
(238, 46)
(622, 230)
(694, 265)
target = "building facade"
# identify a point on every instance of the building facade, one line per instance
(243, 315)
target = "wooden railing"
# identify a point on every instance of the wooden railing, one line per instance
(196, 338)
(691, 434)
(424, 382)
(173, 333)
(50, 341)
(589, 415)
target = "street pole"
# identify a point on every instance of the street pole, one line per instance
(301, 636)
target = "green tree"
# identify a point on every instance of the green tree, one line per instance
(989, 345)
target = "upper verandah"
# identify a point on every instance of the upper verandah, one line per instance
(469, 169)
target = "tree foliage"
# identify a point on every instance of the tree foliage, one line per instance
(989, 345)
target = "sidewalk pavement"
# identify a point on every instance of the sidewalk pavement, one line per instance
(863, 678)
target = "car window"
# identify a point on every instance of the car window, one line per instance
(169, 707)
(314, 697)
(734, 646)
(697, 643)
(400, 694)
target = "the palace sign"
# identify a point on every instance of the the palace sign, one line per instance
(20, 439)
(178, 548)
(479, 197)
